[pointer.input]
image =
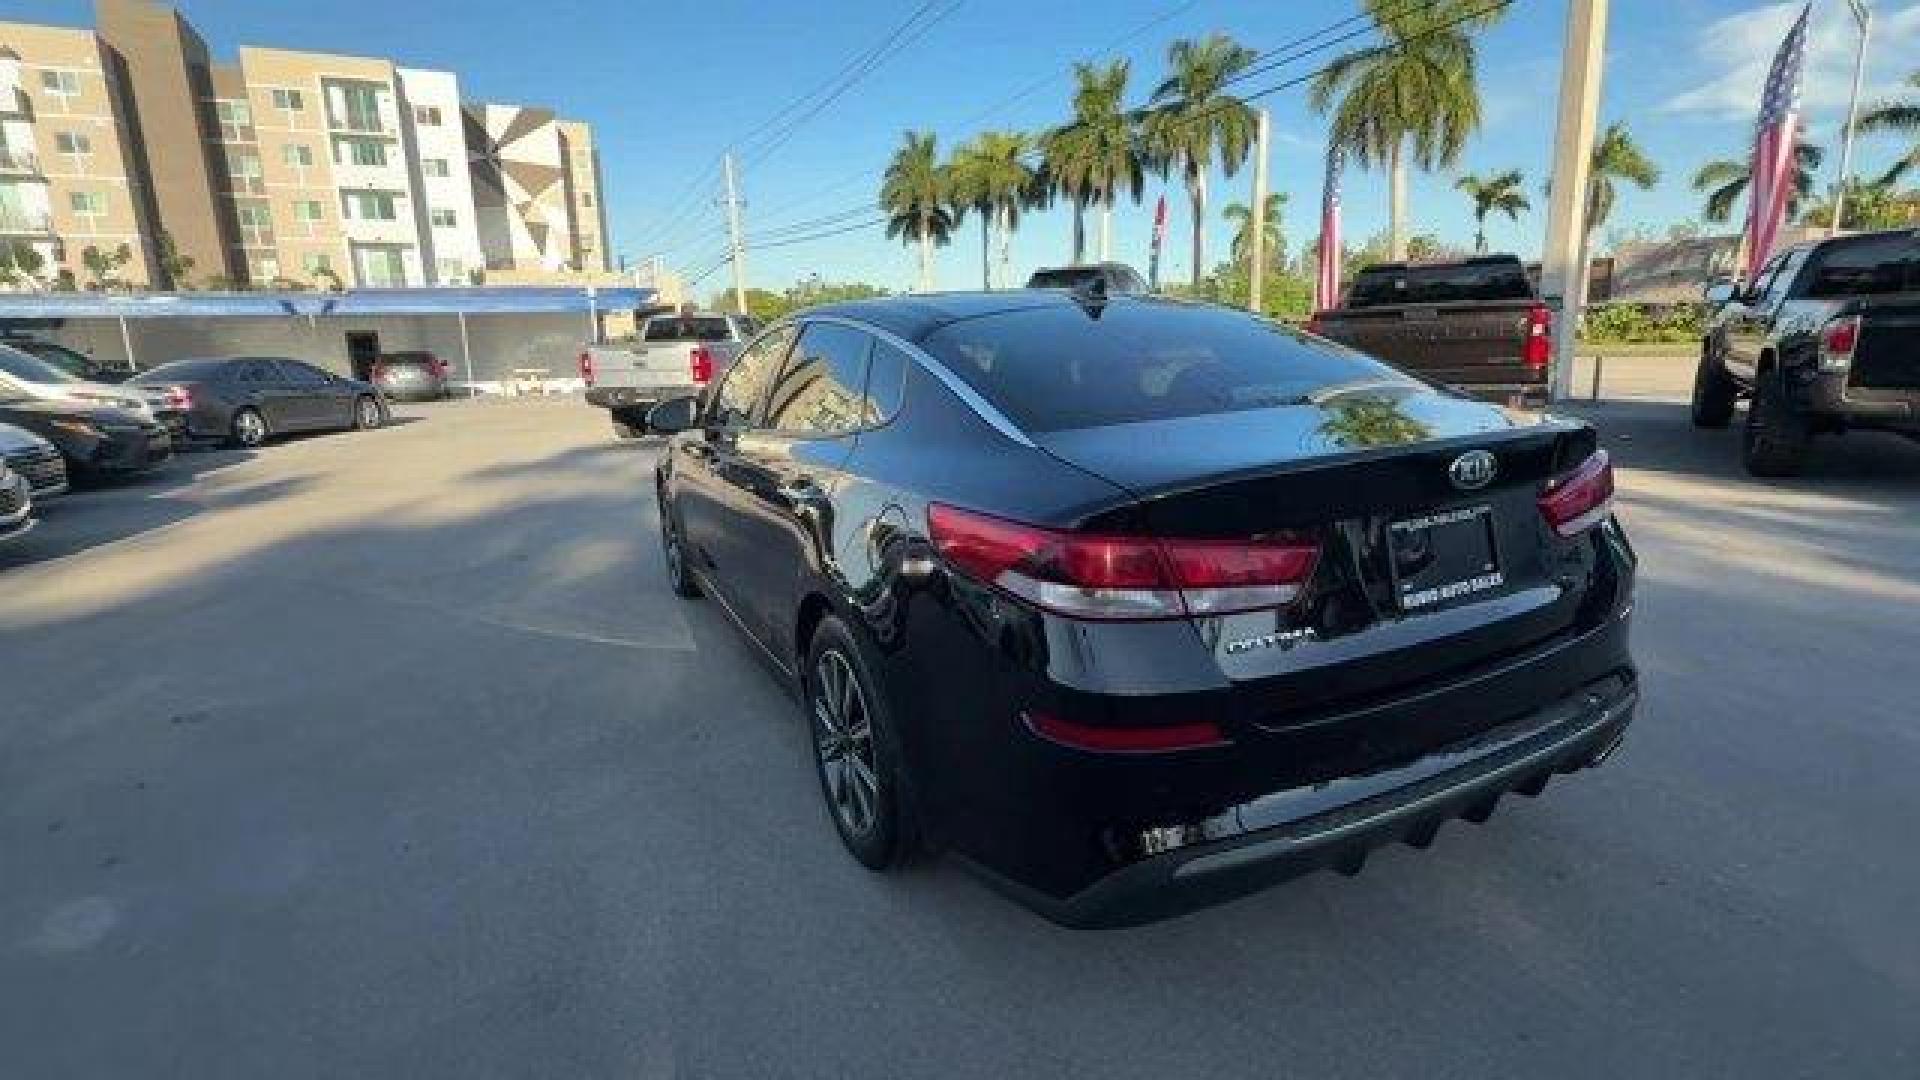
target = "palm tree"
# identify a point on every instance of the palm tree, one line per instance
(1414, 92)
(916, 195)
(1501, 192)
(1196, 117)
(991, 175)
(1726, 180)
(1098, 152)
(1271, 238)
(1901, 117)
(1615, 157)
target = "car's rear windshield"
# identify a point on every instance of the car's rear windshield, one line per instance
(77, 364)
(1441, 283)
(184, 371)
(681, 328)
(1056, 368)
(1867, 265)
(31, 368)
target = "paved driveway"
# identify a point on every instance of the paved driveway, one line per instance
(392, 755)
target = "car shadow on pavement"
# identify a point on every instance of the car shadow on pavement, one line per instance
(1658, 436)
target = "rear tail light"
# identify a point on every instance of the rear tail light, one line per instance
(1093, 576)
(1838, 340)
(586, 367)
(438, 365)
(1539, 345)
(1580, 499)
(700, 365)
(179, 397)
(379, 372)
(1122, 740)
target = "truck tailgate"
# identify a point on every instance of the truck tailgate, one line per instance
(1888, 356)
(1463, 344)
(643, 367)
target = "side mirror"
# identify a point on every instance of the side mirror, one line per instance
(674, 415)
(1721, 291)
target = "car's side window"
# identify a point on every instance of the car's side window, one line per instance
(258, 371)
(295, 372)
(822, 391)
(886, 381)
(737, 402)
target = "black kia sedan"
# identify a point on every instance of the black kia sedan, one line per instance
(1136, 605)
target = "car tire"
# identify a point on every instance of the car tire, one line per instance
(248, 429)
(1714, 392)
(679, 576)
(1776, 438)
(856, 750)
(366, 413)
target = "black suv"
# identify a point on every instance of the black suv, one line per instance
(1825, 340)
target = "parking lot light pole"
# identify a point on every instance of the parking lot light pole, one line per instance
(1863, 18)
(1563, 281)
(1256, 246)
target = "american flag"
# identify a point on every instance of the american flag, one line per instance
(1159, 239)
(1326, 289)
(1771, 178)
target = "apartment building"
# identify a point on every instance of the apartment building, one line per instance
(287, 167)
(68, 184)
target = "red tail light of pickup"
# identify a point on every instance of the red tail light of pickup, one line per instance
(1539, 344)
(586, 367)
(1110, 577)
(1581, 498)
(700, 365)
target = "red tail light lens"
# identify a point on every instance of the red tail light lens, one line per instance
(586, 367)
(379, 373)
(438, 365)
(1580, 499)
(1124, 740)
(179, 397)
(1092, 576)
(1539, 344)
(1838, 340)
(700, 363)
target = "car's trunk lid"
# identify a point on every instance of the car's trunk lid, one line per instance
(1422, 569)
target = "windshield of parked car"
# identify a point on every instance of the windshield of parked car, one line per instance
(683, 328)
(1448, 283)
(1062, 367)
(31, 368)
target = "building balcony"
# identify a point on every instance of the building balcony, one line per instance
(17, 162)
(25, 223)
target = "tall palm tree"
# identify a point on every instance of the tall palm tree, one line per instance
(1196, 117)
(1271, 237)
(1099, 152)
(1615, 157)
(1501, 192)
(991, 175)
(917, 196)
(1900, 117)
(1726, 180)
(1412, 95)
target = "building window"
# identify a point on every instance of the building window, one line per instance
(235, 120)
(256, 224)
(434, 166)
(88, 203)
(444, 218)
(307, 211)
(243, 166)
(369, 205)
(290, 100)
(297, 155)
(426, 115)
(63, 83)
(263, 269)
(382, 266)
(452, 271)
(316, 263)
(72, 142)
(369, 152)
(586, 198)
(355, 107)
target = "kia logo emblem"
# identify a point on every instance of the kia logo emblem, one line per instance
(1473, 470)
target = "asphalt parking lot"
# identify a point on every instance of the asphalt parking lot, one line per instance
(392, 755)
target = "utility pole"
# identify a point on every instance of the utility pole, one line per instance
(1863, 18)
(1257, 249)
(734, 245)
(1563, 281)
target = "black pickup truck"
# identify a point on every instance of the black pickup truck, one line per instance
(1475, 324)
(1826, 339)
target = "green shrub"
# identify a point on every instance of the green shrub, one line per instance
(1634, 323)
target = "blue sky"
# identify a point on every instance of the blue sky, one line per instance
(667, 85)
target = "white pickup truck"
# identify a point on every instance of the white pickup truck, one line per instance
(674, 354)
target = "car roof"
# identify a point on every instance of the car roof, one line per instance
(917, 315)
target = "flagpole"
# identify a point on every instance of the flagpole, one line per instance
(1863, 17)
(1257, 248)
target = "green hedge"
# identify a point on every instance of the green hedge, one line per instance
(1631, 323)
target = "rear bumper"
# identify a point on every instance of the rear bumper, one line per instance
(1896, 409)
(1288, 833)
(636, 397)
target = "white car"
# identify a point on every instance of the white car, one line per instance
(36, 378)
(35, 459)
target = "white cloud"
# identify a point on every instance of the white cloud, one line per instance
(1735, 53)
